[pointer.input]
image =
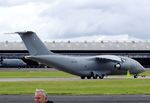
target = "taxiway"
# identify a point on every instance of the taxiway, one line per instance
(79, 99)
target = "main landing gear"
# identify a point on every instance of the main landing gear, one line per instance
(92, 76)
(135, 76)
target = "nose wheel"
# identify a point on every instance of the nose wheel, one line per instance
(135, 76)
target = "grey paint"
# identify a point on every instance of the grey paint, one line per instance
(12, 63)
(34, 47)
(88, 66)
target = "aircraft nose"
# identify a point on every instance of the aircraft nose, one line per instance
(142, 68)
(138, 67)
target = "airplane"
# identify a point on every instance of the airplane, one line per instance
(12, 63)
(84, 66)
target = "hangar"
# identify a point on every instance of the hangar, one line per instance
(137, 50)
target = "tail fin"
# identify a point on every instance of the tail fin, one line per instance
(34, 45)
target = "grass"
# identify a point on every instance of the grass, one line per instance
(41, 74)
(33, 74)
(147, 73)
(77, 87)
(80, 87)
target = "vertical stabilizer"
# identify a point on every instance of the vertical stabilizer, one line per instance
(34, 45)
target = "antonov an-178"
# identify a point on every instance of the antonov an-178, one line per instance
(83, 66)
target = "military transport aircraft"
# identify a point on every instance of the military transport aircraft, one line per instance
(12, 62)
(87, 66)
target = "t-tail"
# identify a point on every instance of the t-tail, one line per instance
(34, 45)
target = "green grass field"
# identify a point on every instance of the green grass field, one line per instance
(77, 87)
(80, 87)
(147, 73)
(33, 74)
(41, 74)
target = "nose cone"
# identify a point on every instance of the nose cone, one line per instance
(135, 67)
(141, 68)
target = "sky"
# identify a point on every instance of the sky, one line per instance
(77, 20)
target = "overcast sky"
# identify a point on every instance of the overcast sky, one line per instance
(78, 19)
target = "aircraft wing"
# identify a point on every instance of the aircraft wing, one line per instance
(108, 58)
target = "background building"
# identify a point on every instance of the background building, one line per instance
(137, 50)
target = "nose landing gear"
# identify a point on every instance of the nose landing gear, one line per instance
(135, 76)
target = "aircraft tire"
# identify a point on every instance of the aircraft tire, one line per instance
(88, 77)
(95, 77)
(102, 76)
(82, 77)
(135, 76)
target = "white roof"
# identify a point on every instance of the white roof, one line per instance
(81, 45)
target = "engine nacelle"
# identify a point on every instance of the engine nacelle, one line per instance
(117, 66)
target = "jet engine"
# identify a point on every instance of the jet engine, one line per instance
(117, 66)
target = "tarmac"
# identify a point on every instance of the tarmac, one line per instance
(63, 79)
(79, 99)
